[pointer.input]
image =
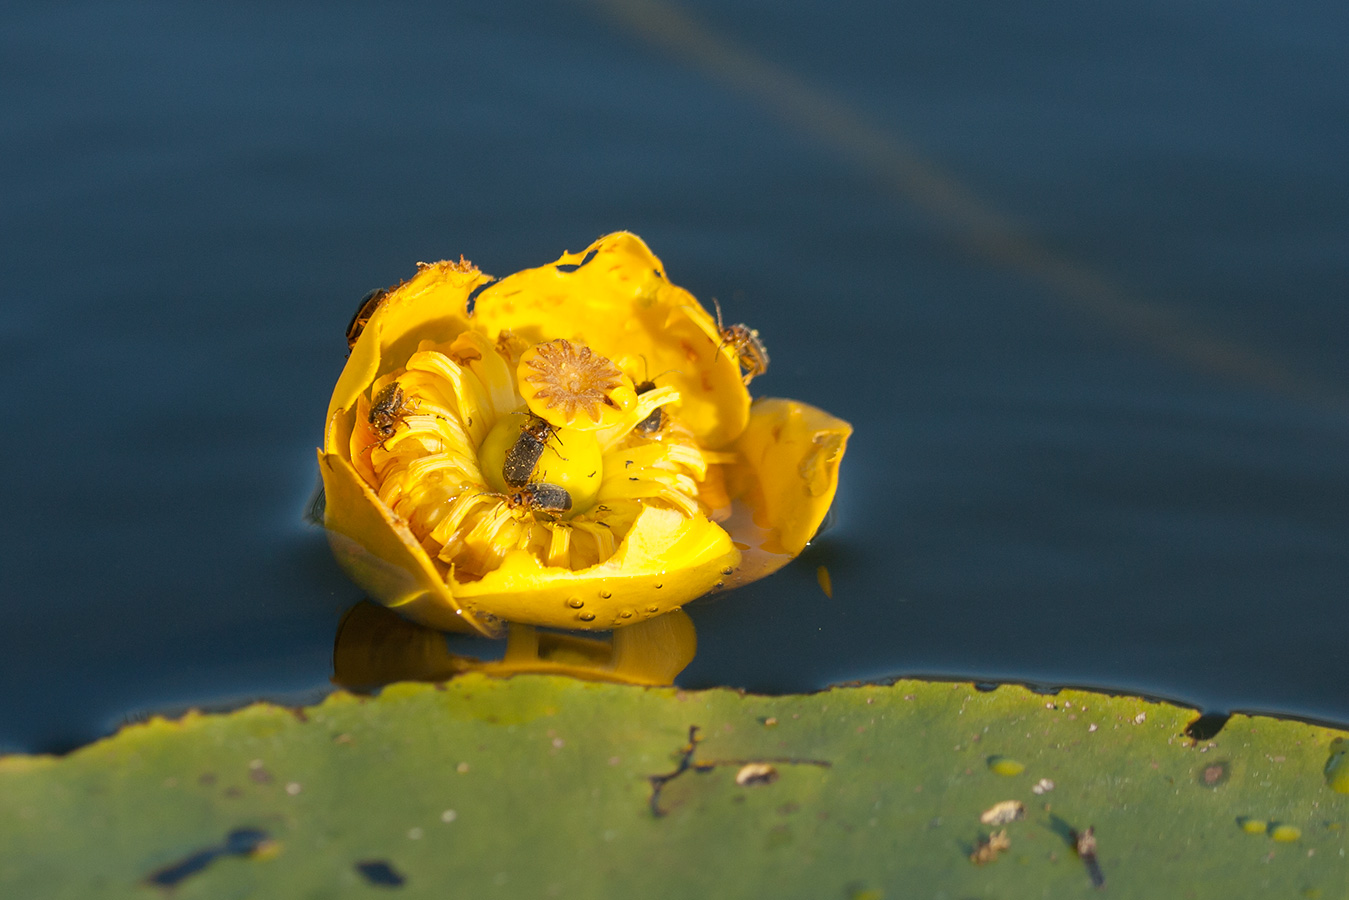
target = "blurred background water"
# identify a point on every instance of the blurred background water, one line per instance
(1077, 275)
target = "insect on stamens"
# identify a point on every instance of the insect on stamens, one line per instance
(523, 455)
(537, 496)
(652, 423)
(387, 409)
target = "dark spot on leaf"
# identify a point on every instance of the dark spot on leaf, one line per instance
(378, 871)
(244, 841)
(240, 842)
(1214, 774)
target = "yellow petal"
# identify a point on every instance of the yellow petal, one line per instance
(614, 297)
(665, 561)
(378, 552)
(431, 306)
(784, 482)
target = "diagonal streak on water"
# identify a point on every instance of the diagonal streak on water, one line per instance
(975, 224)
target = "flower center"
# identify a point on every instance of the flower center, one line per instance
(474, 474)
(569, 385)
(523, 450)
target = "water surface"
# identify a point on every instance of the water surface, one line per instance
(1099, 390)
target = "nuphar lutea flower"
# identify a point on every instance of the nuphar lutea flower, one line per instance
(571, 446)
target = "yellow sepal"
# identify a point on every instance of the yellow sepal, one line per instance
(787, 472)
(377, 551)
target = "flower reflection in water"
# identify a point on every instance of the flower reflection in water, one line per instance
(375, 647)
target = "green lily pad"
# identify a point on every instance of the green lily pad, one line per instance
(549, 787)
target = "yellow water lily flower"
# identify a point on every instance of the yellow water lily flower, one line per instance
(572, 446)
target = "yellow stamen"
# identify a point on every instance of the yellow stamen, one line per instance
(559, 549)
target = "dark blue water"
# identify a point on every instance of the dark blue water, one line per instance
(1078, 277)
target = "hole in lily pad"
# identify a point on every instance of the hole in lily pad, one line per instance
(379, 872)
(1337, 766)
(1207, 726)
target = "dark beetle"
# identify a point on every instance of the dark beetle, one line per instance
(652, 423)
(523, 455)
(369, 303)
(540, 496)
(387, 410)
(750, 351)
